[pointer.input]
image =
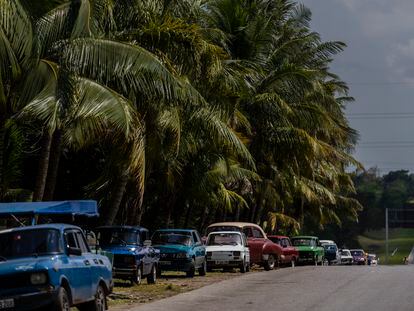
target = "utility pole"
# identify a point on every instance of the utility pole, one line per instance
(386, 236)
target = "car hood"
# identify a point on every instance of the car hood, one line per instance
(306, 248)
(224, 248)
(171, 249)
(122, 250)
(26, 264)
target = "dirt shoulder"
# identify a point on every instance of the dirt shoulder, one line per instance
(125, 295)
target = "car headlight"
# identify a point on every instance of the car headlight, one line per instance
(181, 255)
(236, 253)
(38, 278)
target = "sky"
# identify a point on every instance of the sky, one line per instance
(378, 66)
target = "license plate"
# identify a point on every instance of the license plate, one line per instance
(6, 303)
(162, 262)
(221, 262)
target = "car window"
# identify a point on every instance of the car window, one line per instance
(81, 242)
(287, 242)
(195, 237)
(257, 233)
(71, 239)
(248, 232)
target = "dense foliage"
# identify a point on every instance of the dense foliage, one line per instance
(175, 113)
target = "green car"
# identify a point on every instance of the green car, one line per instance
(310, 249)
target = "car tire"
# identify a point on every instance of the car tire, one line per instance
(190, 273)
(152, 277)
(270, 263)
(248, 267)
(203, 270)
(243, 267)
(63, 301)
(98, 304)
(137, 279)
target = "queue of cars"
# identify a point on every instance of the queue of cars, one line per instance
(52, 266)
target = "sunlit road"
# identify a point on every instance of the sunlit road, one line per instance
(303, 288)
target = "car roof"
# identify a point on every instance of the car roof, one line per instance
(136, 228)
(225, 232)
(175, 230)
(43, 226)
(305, 237)
(278, 236)
(234, 224)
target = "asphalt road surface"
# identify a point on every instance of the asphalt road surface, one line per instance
(310, 288)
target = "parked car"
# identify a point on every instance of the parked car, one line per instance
(326, 242)
(51, 267)
(228, 249)
(133, 256)
(310, 249)
(263, 251)
(180, 250)
(290, 254)
(358, 257)
(372, 260)
(332, 254)
(346, 257)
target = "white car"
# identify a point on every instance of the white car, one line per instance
(346, 257)
(372, 260)
(227, 249)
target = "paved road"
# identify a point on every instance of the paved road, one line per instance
(306, 288)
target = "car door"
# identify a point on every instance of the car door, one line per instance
(285, 250)
(256, 242)
(246, 248)
(199, 249)
(146, 252)
(79, 265)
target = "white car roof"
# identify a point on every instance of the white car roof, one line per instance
(225, 232)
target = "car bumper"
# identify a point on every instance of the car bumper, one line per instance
(124, 273)
(175, 265)
(224, 264)
(346, 261)
(29, 301)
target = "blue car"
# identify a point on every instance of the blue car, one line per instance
(51, 267)
(134, 257)
(181, 250)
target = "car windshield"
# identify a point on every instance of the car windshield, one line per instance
(330, 247)
(224, 239)
(26, 243)
(174, 238)
(357, 253)
(346, 253)
(303, 242)
(223, 228)
(117, 237)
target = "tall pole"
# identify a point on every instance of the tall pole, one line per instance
(386, 236)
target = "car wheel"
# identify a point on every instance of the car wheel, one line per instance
(248, 267)
(270, 262)
(203, 270)
(190, 273)
(98, 304)
(62, 302)
(243, 267)
(152, 277)
(138, 277)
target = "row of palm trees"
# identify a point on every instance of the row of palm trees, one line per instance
(182, 111)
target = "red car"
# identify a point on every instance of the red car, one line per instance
(289, 253)
(263, 252)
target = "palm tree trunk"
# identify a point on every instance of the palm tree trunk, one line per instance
(109, 214)
(43, 168)
(302, 214)
(56, 151)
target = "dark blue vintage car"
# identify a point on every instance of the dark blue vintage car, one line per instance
(134, 257)
(51, 267)
(181, 250)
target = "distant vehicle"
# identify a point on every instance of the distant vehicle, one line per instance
(310, 249)
(228, 250)
(51, 267)
(133, 256)
(290, 254)
(358, 257)
(263, 251)
(346, 257)
(372, 260)
(331, 253)
(180, 250)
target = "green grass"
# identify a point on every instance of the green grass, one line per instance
(400, 239)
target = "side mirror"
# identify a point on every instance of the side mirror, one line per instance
(74, 251)
(147, 243)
